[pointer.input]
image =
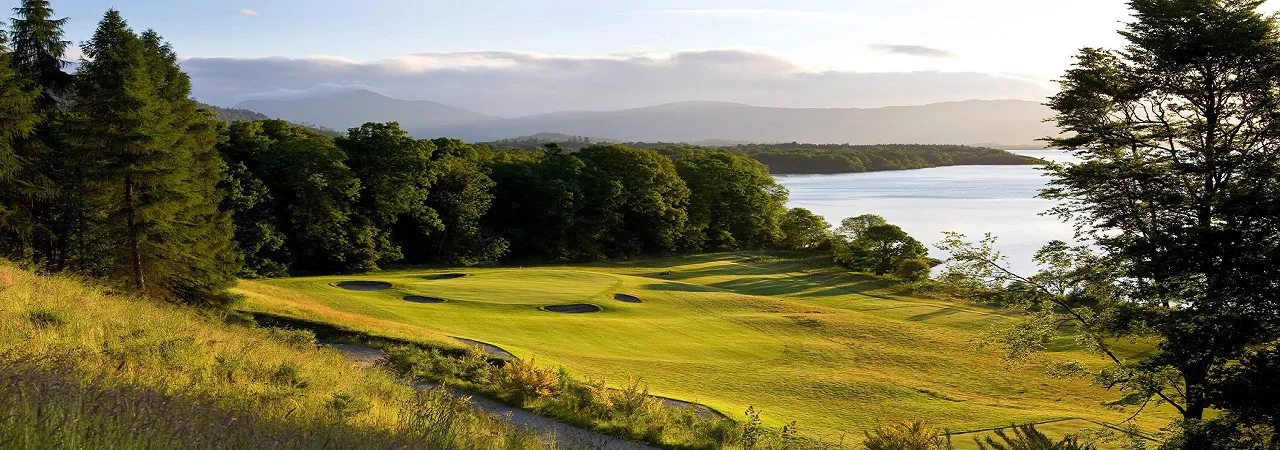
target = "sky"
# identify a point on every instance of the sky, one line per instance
(515, 57)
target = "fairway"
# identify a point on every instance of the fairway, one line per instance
(835, 352)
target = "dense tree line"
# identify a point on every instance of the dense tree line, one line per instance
(796, 158)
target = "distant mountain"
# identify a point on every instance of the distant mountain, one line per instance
(354, 108)
(1005, 121)
(1010, 122)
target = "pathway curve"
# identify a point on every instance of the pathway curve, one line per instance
(564, 436)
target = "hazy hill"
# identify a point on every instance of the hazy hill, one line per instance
(237, 114)
(1005, 121)
(1008, 122)
(353, 108)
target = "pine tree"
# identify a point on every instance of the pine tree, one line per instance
(151, 166)
(38, 49)
(17, 116)
(204, 233)
(39, 219)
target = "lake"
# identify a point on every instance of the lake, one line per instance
(926, 202)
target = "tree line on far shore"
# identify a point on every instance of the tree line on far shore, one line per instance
(796, 158)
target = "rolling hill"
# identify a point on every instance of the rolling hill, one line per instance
(1008, 122)
(349, 109)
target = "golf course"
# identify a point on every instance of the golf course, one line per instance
(790, 336)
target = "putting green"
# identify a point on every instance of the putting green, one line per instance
(838, 353)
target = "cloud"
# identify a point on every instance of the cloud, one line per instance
(248, 12)
(764, 14)
(518, 83)
(911, 50)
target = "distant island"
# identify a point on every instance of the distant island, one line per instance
(807, 159)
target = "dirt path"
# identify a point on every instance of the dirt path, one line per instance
(549, 430)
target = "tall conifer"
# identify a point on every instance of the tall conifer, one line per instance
(152, 167)
(42, 214)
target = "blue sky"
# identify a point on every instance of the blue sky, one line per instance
(1028, 40)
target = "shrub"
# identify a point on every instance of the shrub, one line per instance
(915, 269)
(525, 380)
(1026, 437)
(913, 435)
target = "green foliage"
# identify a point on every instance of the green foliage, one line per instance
(151, 169)
(395, 179)
(869, 244)
(462, 197)
(733, 202)
(1026, 437)
(802, 229)
(794, 158)
(913, 435)
(634, 201)
(1178, 187)
(916, 269)
(295, 187)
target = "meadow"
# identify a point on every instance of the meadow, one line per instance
(81, 367)
(786, 334)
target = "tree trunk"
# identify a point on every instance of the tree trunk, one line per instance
(135, 250)
(1196, 378)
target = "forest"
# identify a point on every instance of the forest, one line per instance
(797, 158)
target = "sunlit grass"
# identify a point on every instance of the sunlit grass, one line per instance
(83, 369)
(795, 339)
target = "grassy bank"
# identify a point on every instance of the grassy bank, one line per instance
(85, 369)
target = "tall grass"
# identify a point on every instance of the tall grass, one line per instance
(80, 368)
(628, 412)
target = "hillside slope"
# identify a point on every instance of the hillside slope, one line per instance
(1008, 122)
(84, 369)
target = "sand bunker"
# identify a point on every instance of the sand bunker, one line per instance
(626, 298)
(364, 285)
(421, 299)
(445, 276)
(572, 309)
(489, 349)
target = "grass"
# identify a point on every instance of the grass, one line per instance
(791, 337)
(81, 368)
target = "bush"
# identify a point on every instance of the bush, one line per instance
(916, 269)
(525, 380)
(1026, 437)
(913, 435)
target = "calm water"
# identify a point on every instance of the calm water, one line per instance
(968, 199)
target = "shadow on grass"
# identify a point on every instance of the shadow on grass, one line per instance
(941, 312)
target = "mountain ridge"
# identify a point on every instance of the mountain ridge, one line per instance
(1010, 122)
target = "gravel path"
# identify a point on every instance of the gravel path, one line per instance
(549, 430)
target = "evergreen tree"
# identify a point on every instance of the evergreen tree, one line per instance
(17, 116)
(38, 49)
(151, 168)
(42, 191)
(205, 263)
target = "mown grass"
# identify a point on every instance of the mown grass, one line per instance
(790, 337)
(83, 369)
